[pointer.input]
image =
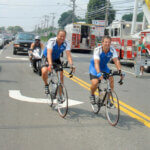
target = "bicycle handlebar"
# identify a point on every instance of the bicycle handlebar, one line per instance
(63, 65)
(115, 73)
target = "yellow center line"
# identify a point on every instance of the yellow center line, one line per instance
(126, 108)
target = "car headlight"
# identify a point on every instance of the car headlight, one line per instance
(16, 44)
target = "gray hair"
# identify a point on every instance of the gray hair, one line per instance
(61, 30)
(106, 37)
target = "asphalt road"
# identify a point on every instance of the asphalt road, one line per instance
(31, 125)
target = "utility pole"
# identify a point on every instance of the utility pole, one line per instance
(134, 17)
(73, 12)
(107, 11)
(52, 23)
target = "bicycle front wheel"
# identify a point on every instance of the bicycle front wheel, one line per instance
(112, 108)
(62, 100)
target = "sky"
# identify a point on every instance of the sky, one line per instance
(28, 13)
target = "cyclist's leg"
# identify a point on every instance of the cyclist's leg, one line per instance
(62, 77)
(111, 80)
(94, 83)
(44, 70)
(45, 75)
(30, 57)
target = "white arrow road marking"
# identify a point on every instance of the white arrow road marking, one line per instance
(15, 94)
(16, 58)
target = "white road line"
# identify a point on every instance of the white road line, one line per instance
(16, 58)
(125, 71)
(15, 94)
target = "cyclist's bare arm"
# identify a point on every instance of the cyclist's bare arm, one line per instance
(49, 58)
(96, 63)
(97, 67)
(42, 46)
(69, 57)
(117, 63)
(32, 46)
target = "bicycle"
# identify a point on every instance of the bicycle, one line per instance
(109, 99)
(58, 92)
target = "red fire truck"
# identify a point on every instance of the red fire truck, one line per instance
(122, 40)
(81, 36)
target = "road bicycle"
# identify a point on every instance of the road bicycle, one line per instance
(108, 98)
(58, 96)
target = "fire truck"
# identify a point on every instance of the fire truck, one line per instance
(81, 36)
(126, 44)
(122, 40)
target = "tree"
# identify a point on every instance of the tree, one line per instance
(96, 11)
(15, 29)
(140, 16)
(66, 18)
(128, 17)
(2, 29)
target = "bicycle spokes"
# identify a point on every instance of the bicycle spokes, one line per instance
(62, 100)
(112, 108)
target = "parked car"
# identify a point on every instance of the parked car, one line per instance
(1, 41)
(6, 39)
(23, 42)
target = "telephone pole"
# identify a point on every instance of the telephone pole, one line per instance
(52, 23)
(107, 11)
(73, 12)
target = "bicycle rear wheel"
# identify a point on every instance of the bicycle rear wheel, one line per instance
(112, 108)
(62, 100)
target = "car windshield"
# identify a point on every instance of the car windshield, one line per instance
(26, 36)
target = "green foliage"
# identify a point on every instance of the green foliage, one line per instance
(128, 17)
(95, 11)
(46, 38)
(140, 17)
(66, 18)
(15, 29)
(2, 29)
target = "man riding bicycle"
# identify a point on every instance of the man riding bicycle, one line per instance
(52, 53)
(98, 64)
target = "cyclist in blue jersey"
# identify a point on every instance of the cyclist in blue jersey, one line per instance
(98, 64)
(52, 53)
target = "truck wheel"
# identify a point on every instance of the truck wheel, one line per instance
(147, 69)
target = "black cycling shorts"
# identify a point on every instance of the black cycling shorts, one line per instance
(93, 77)
(56, 62)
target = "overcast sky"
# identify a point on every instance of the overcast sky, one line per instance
(28, 13)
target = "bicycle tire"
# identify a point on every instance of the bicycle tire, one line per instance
(62, 107)
(112, 108)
